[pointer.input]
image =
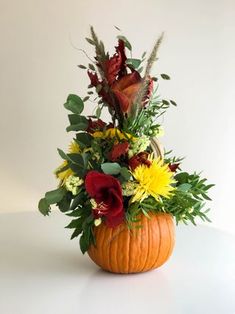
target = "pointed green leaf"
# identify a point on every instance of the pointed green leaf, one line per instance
(44, 207)
(165, 76)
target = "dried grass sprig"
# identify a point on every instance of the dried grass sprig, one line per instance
(144, 86)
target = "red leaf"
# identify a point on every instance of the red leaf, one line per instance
(118, 150)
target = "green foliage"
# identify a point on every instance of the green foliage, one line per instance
(74, 103)
(44, 207)
(135, 63)
(83, 223)
(51, 197)
(165, 76)
(125, 173)
(112, 168)
(126, 42)
(55, 196)
(77, 123)
(187, 202)
(146, 122)
(64, 204)
(84, 139)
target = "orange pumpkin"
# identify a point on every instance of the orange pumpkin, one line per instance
(123, 250)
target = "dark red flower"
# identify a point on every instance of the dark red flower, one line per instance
(93, 78)
(115, 66)
(126, 89)
(102, 87)
(118, 150)
(173, 167)
(107, 192)
(139, 159)
(95, 125)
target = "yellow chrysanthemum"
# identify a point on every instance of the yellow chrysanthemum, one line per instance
(112, 133)
(155, 180)
(64, 175)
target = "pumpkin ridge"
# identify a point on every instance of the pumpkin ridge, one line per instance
(110, 251)
(160, 240)
(129, 255)
(170, 240)
(101, 251)
(116, 235)
(147, 254)
(172, 234)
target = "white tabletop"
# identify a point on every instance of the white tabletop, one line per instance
(43, 272)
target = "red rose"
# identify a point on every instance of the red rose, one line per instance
(139, 159)
(107, 192)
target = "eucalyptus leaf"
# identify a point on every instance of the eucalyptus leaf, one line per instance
(55, 196)
(111, 168)
(77, 127)
(78, 123)
(74, 103)
(44, 207)
(134, 62)
(64, 204)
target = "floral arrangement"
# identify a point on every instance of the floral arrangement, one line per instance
(115, 171)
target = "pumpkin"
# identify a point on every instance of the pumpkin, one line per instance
(123, 250)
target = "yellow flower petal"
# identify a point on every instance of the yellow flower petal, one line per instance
(155, 180)
(112, 133)
(63, 176)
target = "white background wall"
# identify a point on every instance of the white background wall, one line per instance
(39, 69)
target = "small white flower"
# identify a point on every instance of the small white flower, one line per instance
(128, 188)
(72, 183)
(97, 222)
(139, 145)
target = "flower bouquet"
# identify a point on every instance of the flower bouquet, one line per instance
(121, 190)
